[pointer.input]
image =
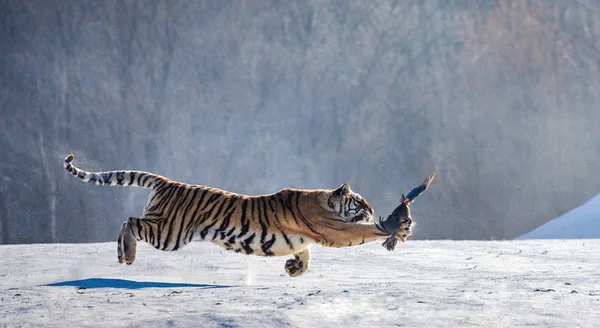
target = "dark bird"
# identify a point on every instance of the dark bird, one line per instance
(400, 221)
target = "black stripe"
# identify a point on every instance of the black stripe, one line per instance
(206, 216)
(211, 199)
(194, 219)
(289, 205)
(330, 203)
(185, 217)
(159, 231)
(205, 230)
(282, 203)
(251, 219)
(267, 246)
(158, 234)
(177, 204)
(264, 223)
(331, 225)
(276, 218)
(106, 176)
(164, 203)
(153, 200)
(158, 199)
(188, 238)
(265, 212)
(168, 218)
(139, 178)
(347, 207)
(216, 216)
(246, 244)
(146, 235)
(244, 220)
(167, 194)
(131, 177)
(150, 231)
(230, 232)
(159, 184)
(287, 240)
(226, 218)
(144, 179)
(231, 240)
(139, 227)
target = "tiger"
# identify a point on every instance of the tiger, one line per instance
(279, 224)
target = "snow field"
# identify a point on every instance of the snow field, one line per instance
(540, 283)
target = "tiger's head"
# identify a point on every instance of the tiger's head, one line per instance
(348, 205)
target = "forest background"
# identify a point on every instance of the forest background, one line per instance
(500, 97)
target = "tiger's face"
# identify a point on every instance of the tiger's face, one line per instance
(350, 206)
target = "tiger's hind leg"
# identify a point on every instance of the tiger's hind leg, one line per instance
(126, 243)
(132, 231)
(148, 230)
(299, 264)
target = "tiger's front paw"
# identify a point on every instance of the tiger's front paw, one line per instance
(293, 267)
(299, 264)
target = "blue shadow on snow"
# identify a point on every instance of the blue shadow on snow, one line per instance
(128, 284)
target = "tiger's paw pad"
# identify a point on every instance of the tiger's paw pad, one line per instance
(295, 267)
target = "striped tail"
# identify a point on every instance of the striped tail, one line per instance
(115, 178)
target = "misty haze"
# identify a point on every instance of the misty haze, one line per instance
(500, 97)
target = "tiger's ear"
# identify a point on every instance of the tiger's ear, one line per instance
(343, 190)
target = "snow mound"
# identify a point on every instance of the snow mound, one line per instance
(581, 222)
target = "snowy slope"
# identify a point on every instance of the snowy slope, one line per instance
(539, 283)
(581, 222)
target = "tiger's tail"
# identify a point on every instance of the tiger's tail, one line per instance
(115, 178)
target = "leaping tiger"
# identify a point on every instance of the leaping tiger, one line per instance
(284, 223)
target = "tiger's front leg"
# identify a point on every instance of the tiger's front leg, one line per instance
(126, 243)
(299, 264)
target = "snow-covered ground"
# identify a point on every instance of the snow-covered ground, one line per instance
(539, 283)
(581, 222)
